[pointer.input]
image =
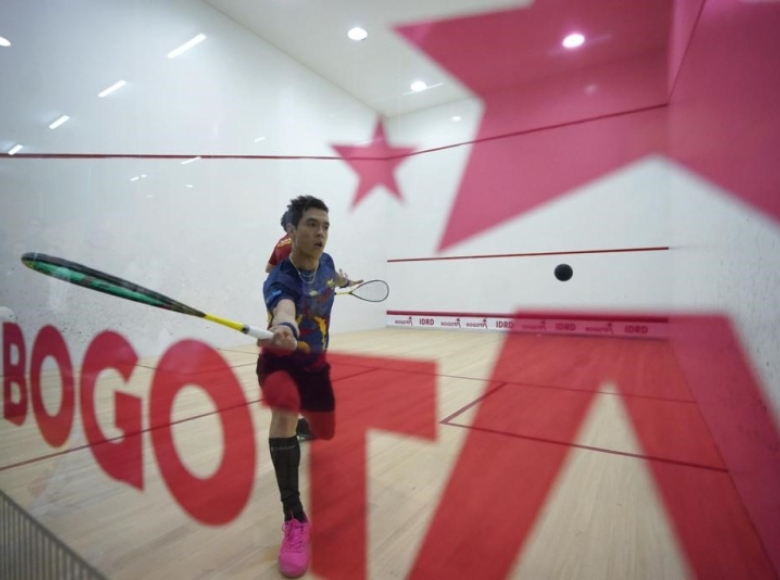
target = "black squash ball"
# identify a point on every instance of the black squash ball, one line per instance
(563, 272)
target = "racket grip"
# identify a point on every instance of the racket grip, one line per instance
(257, 332)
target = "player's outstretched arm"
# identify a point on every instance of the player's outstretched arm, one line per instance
(284, 327)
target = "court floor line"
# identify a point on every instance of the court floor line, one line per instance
(445, 421)
(411, 372)
(448, 421)
(195, 374)
(125, 436)
(591, 448)
(600, 392)
(537, 385)
(147, 430)
(491, 380)
(570, 389)
(502, 382)
(235, 351)
(476, 401)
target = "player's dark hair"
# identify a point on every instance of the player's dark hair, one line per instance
(285, 220)
(300, 205)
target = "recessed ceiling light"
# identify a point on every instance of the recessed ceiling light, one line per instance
(136, 178)
(188, 186)
(15, 149)
(357, 33)
(187, 45)
(61, 121)
(419, 86)
(4, 42)
(573, 40)
(457, 118)
(115, 87)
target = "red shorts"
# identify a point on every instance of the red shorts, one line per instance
(313, 385)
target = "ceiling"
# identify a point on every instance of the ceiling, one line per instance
(514, 42)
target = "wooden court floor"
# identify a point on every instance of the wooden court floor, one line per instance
(544, 457)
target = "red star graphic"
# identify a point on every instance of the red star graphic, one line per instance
(725, 131)
(374, 163)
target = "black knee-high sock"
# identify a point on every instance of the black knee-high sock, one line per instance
(286, 457)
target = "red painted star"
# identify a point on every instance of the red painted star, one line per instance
(725, 131)
(374, 163)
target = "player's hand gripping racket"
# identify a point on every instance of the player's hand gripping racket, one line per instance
(102, 282)
(371, 291)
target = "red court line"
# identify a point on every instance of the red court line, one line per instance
(445, 421)
(330, 157)
(156, 369)
(559, 388)
(401, 370)
(358, 374)
(142, 431)
(536, 130)
(125, 436)
(539, 316)
(238, 351)
(177, 156)
(556, 388)
(531, 254)
(521, 384)
(449, 418)
(684, 56)
(596, 449)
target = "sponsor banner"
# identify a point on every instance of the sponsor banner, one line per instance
(533, 325)
(440, 322)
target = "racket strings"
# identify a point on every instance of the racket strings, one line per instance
(373, 291)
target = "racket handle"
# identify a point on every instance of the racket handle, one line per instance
(257, 332)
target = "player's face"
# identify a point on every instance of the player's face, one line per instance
(311, 235)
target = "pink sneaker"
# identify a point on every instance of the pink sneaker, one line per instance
(295, 553)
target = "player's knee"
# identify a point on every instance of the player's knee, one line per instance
(280, 393)
(282, 424)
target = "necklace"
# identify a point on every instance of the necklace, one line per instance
(307, 277)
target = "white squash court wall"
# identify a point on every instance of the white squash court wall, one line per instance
(724, 255)
(629, 208)
(206, 245)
